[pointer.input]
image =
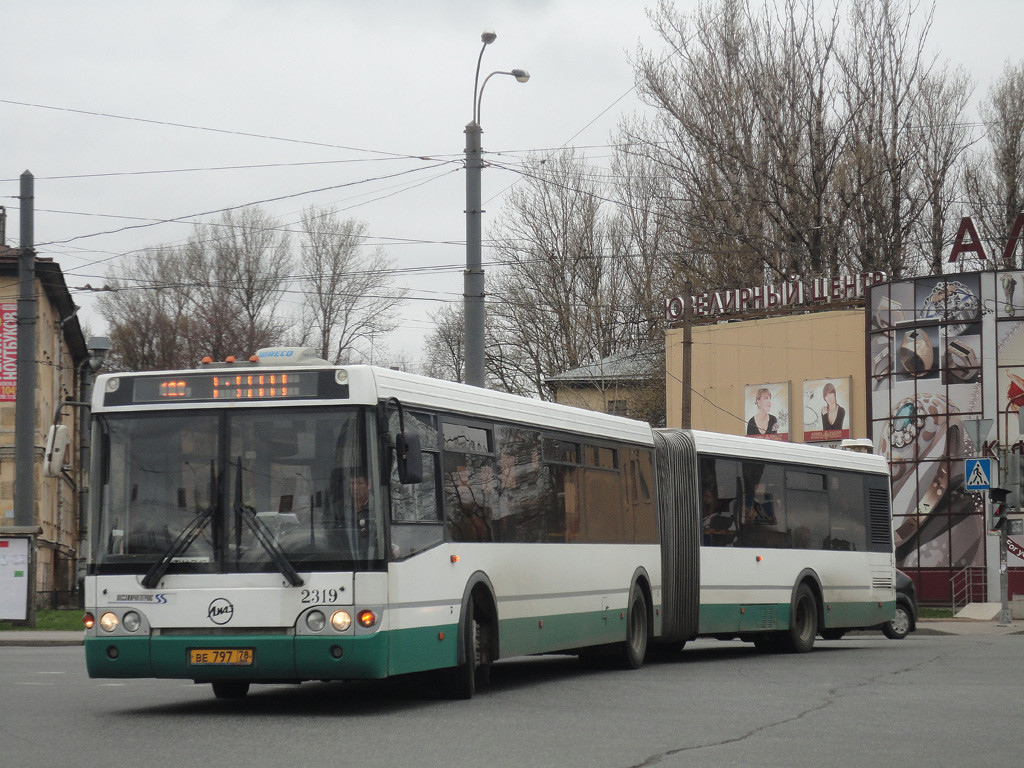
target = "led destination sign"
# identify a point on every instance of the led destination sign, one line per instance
(226, 386)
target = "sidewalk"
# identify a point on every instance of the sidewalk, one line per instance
(966, 627)
(40, 639)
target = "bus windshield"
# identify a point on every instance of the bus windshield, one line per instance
(236, 490)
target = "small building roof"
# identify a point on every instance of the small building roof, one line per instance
(49, 274)
(626, 365)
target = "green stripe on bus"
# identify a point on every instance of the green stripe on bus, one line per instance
(422, 648)
(725, 618)
(542, 634)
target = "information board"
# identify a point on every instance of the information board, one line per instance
(14, 567)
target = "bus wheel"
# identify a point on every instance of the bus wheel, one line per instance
(230, 689)
(803, 624)
(635, 648)
(462, 678)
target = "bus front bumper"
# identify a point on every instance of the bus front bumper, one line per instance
(242, 657)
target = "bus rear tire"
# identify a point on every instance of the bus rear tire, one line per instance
(637, 630)
(803, 623)
(230, 689)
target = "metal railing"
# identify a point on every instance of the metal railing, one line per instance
(968, 586)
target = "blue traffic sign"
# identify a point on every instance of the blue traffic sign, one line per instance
(977, 474)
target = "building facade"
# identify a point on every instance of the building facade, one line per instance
(946, 357)
(931, 370)
(60, 354)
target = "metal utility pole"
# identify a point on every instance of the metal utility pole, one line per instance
(25, 397)
(473, 282)
(686, 413)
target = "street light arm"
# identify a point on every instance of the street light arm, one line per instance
(476, 82)
(521, 75)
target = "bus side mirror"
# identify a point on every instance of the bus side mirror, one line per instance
(409, 457)
(57, 443)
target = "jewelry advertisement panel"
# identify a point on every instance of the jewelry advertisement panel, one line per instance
(926, 371)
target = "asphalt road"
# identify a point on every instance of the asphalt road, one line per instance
(864, 700)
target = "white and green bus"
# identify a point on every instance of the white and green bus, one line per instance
(283, 520)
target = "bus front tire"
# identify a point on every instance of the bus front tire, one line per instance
(230, 689)
(465, 678)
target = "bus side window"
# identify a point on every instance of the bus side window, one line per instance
(416, 502)
(808, 507)
(721, 501)
(763, 521)
(523, 490)
(415, 509)
(848, 521)
(603, 521)
(469, 482)
(562, 459)
(641, 470)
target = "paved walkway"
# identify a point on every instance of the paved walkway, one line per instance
(924, 627)
(33, 638)
(967, 627)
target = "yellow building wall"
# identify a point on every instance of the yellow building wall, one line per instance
(592, 398)
(55, 507)
(729, 356)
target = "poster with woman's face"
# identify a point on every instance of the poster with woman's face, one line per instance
(766, 409)
(827, 409)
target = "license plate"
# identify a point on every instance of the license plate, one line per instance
(238, 657)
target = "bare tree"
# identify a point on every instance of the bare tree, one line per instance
(444, 348)
(883, 66)
(349, 301)
(145, 313)
(638, 238)
(944, 138)
(995, 183)
(556, 296)
(751, 133)
(236, 270)
(791, 137)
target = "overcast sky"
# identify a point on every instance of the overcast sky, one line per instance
(364, 101)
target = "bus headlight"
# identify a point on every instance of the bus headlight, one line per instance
(108, 621)
(341, 620)
(131, 621)
(316, 621)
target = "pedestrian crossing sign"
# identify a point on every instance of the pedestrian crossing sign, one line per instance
(978, 474)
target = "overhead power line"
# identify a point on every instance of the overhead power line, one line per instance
(212, 130)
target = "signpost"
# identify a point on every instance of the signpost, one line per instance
(977, 474)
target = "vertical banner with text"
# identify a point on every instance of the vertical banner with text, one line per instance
(8, 351)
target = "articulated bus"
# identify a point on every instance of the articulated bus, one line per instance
(283, 520)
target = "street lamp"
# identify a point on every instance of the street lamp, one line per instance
(99, 346)
(473, 314)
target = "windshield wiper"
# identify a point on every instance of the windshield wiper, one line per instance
(269, 543)
(188, 535)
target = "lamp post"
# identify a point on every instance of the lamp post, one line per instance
(473, 282)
